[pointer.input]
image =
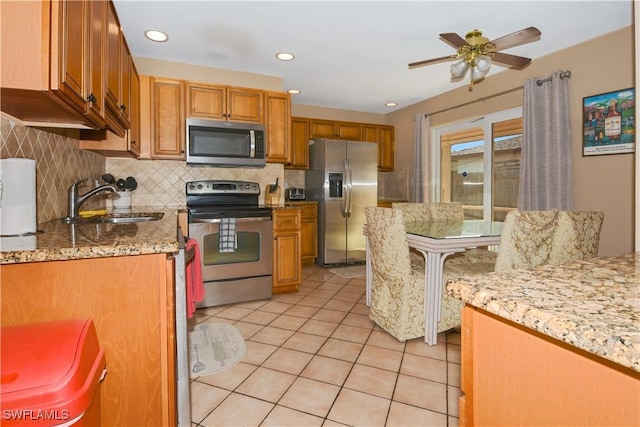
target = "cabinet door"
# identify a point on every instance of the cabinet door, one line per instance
(370, 133)
(322, 129)
(278, 127)
(206, 101)
(287, 257)
(97, 39)
(125, 83)
(299, 144)
(73, 53)
(309, 239)
(349, 130)
(386, 148)
(167, 119)
(245, 105)
(112, 93)
(134, 131)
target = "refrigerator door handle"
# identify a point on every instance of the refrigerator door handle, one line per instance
(347, 168)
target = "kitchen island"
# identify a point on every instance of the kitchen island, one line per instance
(557, 345)
(120, 276)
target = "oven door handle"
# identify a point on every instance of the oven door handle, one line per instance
(211, 221)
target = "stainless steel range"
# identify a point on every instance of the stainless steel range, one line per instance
(235, 236)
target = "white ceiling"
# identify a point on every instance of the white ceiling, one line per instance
(353, 55)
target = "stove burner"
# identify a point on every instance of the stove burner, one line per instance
(214, 199)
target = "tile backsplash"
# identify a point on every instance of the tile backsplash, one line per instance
(59, 163)
(162, 182)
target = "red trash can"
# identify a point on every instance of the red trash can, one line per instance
(51, 374)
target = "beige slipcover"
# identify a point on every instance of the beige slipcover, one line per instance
(397, 289)
(577, 236)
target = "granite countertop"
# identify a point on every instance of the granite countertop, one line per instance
(59, 241)
(593, 304)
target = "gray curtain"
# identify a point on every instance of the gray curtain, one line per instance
(545, 164)
(422, 148)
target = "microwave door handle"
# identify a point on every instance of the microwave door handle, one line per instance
(252, 135)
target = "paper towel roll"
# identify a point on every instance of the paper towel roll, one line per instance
(17, 196)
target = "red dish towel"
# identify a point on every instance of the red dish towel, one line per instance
(195, 286)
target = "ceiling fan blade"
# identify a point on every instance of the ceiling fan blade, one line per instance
(453, 39)
(526, 35)
(431, 61)
(513, 61)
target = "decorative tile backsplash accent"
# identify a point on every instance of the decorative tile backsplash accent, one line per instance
(59, 163)
(162, 182)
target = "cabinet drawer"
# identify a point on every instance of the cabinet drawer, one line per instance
(309, 211)
(286, 221)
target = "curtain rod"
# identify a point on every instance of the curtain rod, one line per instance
(484, 98)
(563, 75)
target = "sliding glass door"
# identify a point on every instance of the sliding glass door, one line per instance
(483, 176)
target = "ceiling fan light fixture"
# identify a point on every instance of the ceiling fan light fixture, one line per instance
(481, 68)
(459, 69)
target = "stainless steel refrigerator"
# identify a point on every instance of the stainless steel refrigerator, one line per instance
(343, 179)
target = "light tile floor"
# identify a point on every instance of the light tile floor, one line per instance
(315, 359)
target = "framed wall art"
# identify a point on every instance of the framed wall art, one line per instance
(608, 123)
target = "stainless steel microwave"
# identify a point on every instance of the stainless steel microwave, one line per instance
(225, 144)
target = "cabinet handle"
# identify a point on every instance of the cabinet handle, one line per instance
(92, 98)
(123, 107)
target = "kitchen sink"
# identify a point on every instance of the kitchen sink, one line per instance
(117, 218)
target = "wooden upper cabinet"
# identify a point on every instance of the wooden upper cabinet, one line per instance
(134, 142)
(118, 84)
(51, 62)
(206, 101)
(370, 133)
(97, 62)
(299, 144)
(167, 136)
(386, 149)
(330, 129)
(349, 130)
(224, 103)
(278, 127)
(74, 52)
(319, 129)
(112, 90)
(245, 105)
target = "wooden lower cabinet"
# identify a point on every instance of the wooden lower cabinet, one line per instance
(287, 257)
(309, 237)
(131, 302)
(512, 375)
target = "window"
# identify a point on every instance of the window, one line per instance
(483, 177)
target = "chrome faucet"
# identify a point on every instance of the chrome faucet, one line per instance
(76, 200)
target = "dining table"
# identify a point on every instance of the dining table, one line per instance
(436, 240)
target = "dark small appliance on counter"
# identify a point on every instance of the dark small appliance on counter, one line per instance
(294, 193)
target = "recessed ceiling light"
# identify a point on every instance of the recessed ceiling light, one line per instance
(285, 56)
(294, 91)
(156, 36)
(391, 104)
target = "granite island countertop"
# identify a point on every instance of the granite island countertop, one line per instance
(59, 241)
(593, 304)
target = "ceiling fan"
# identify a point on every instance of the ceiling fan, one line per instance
(476, 52)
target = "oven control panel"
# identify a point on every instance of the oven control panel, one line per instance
(222, 187)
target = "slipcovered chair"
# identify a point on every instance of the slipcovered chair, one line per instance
(413, 211)
(577, 236)
(397, 289)
(526, 240)
(452, 211)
